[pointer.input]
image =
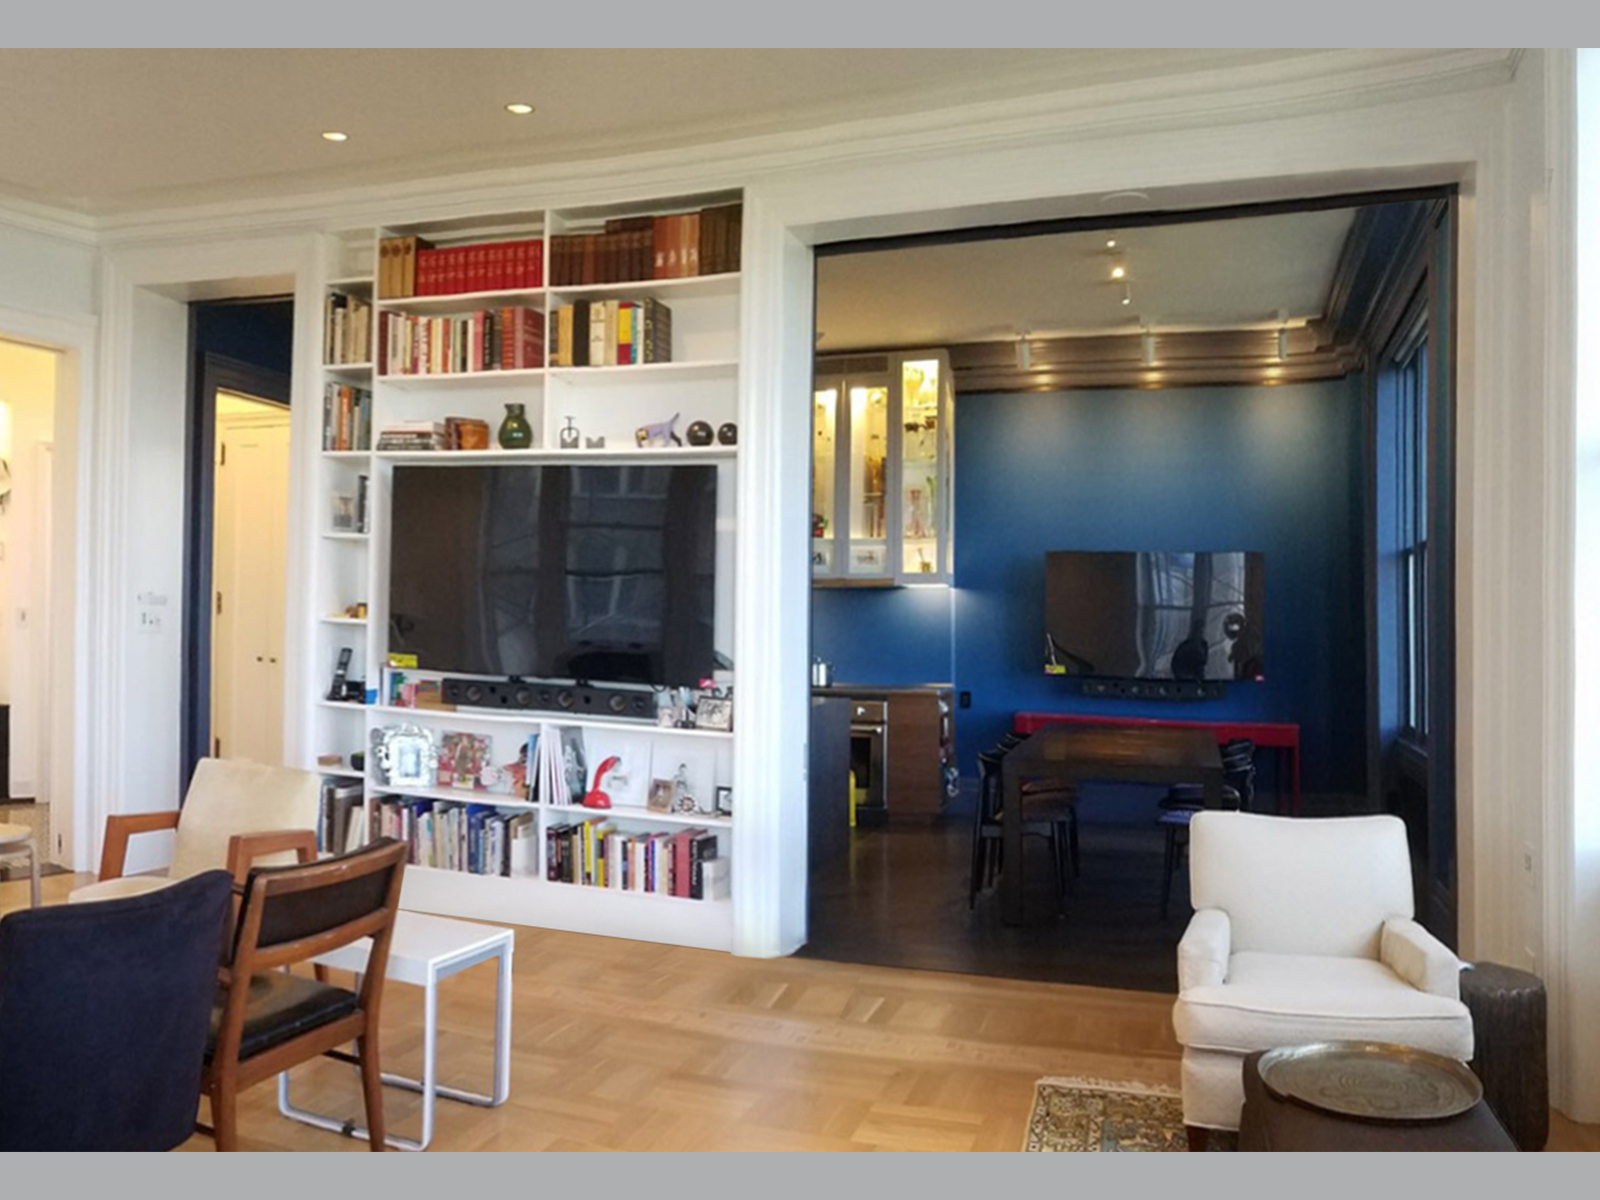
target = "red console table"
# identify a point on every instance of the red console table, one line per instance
(1280, 736)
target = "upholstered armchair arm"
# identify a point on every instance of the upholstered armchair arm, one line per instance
(114, 847)
(245, 848)
(1203, 952)
(1419, 958)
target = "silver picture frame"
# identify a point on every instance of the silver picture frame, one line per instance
(405, 756)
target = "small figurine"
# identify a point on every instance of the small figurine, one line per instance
(569, 438)
(662, 433)
(700, 434)
(596, 798)
(598, 443)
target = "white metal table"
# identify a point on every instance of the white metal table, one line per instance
(425, 950)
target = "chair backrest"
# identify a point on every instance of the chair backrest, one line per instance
(291, 914)
(228, 796)
(104, 1012)
(1319, 886)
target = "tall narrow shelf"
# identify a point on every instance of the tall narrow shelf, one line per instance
(606, 405)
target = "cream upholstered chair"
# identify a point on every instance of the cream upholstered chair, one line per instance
(226, 799)
(1302, 932)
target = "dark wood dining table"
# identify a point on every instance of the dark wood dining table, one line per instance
(1079, 754)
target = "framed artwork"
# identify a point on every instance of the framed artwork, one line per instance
(405, 756)
(661, 793)
(714, 712)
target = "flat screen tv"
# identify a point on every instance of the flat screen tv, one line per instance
(602, 574)
(1155, 615)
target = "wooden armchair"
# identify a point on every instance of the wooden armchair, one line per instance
(267, 1020)
(226, 799)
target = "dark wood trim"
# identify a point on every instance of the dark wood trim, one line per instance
(208, 374)
(1134, 220)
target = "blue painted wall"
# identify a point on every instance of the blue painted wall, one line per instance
(1275, 469)
(260, 333)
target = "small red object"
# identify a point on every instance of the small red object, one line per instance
(597, 798)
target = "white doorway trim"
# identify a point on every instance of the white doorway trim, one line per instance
(70, 730)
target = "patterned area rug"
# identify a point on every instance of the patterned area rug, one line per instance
(1094, 1115)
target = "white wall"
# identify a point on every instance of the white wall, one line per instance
(46, 274)
(28, 392)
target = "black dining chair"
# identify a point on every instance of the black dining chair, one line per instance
(104, 1011)
(1049, 810)
(1183, 800)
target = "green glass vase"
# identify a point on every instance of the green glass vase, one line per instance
(515, 432)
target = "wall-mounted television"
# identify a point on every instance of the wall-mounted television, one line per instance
(602, 574)
(1155, 614)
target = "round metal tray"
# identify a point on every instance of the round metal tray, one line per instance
(1372, 1081)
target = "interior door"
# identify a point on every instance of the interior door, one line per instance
(250, 542)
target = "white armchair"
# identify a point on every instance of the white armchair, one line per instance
(1302, 932)
(233, 814)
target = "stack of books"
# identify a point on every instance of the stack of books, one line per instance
(476, 838)
(629, 249)
(595, 853)
(610, 333)
(413, 435)
(346, 417)
(347, 330)
(500, 339)
(337, 832)
(412, 266)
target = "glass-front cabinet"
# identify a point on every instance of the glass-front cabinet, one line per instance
(881, 469)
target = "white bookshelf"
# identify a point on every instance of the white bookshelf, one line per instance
(610, 403)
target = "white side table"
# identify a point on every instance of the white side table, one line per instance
(18, 839)
(426, 949)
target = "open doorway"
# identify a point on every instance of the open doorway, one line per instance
(28, 389)
(1140, 416)
(237, 530)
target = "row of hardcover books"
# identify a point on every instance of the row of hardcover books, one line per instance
(347, 330)
(412, 266)
(630, 249)
(346, 417)
(500, 339)
(596, 854)
(610, 333)
(475, 838)
(338, 826)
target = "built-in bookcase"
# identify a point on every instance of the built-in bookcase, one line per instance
(351, 564)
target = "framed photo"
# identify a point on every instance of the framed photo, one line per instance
(661, 794)
(406, 756)
(714, 712)
(344, 513)
(724, 801)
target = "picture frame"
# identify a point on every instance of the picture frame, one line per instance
(724, 800)
(661, 795)
(405, 756)
(714, 712)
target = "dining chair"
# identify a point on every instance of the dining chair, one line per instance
(267, 1020)
(104, 1011)
(1049, 814)
(1183, 800)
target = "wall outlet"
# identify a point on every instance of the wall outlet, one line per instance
(966, 700)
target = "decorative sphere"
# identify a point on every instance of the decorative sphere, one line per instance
(728, 433)
(699, 434)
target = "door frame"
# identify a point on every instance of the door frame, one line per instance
(209, 374)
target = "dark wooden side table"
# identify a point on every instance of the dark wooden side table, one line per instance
(1508, 1055)
(1269, 1123)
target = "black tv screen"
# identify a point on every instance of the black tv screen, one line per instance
(603, 574)
(1155, 615)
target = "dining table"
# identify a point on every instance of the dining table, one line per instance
(1081, 754)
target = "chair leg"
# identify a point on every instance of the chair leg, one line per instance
(372, 1087)
(225, 1116)
(1199, 1137)
(1056, 873)
(979, 861)
(1169, 864)
(1072, 833)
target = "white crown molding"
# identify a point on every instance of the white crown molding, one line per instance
(1337, 79)
(49, 220)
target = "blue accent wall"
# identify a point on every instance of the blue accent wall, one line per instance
(1273, 469)
(260, 333)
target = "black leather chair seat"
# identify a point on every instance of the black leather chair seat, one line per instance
(281, 1007)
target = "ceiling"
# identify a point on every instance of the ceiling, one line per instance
(1228, 274)
(102, 131)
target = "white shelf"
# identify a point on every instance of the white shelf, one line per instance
(620, 456)
(665, 290)
(339, 535)
(362, 621)
(463, 302)
(349, 456)
(364, 368)
(453, 795)
(464, 379)
(714, 368)
(350, 704)
(639, 814)
(540, 717)
(340, 772)
(350, 283)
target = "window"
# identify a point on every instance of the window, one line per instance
(1410, 381)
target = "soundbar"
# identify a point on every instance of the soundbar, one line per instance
(549, 697)
(1154, 689)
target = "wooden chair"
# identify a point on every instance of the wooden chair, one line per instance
(1183, 800)
(1049, 812)
(267, 1020)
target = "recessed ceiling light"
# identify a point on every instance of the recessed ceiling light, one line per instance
(1127, 299)
(1111, 243)
(333, 135)
(519, 109)
(1118, 272)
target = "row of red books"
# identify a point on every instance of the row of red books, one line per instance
(630, 249)
(412, 266)
(502, 339)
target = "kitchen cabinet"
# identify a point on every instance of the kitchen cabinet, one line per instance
(882, 507)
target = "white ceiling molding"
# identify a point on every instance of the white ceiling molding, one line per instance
(1335, 79)
(49, 220)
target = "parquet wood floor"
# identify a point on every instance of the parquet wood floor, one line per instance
(622, 1045)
